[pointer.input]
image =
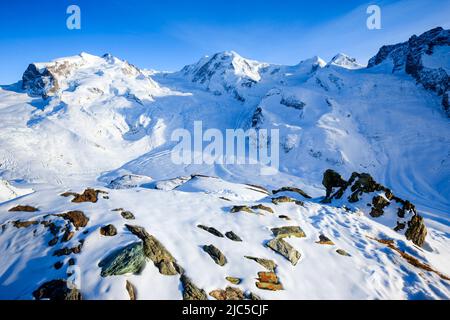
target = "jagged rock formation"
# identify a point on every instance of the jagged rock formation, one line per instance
(362, 189)
(413, 56)
(57, 290)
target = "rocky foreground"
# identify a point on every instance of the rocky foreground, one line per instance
(201, 237)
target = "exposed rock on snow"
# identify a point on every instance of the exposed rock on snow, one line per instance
(364, 191)
(325, 240)
(292, 189)
(289, 231)
(108, 230)
(88, 195)
(234, 280)
(22, 208)
(285, 249)
(229, 293)
(268, 281)
(155, 251)
(266, 263)
(215, 254)
(233, 236)
(78, 218)
(131, 290)
(57, 290)
(211, 230)
(129, 259)
(284, 199)
(191, 291)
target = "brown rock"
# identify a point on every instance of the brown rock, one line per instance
(233, 236)
(241, 208)
(233, 280)
(21, 208)
(266, 263)
(229, 293)
(416, 231)
(78, 218)
(131, 290)
(24, 224)
(284, 199)
(108, 230)
(262, 207)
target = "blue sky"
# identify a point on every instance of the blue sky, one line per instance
(166, 35)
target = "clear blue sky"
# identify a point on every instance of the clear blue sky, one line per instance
(168, 34)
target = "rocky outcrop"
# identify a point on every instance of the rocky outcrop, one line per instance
(285, 249)
(129, 259)
(362, 186)
(155, 251)
(25, 208)
(190, 290)
(24, 224)
(57, 290)
(125, 214)
(262, 207)
(218, 257)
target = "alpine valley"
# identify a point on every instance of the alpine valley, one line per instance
(93, 207)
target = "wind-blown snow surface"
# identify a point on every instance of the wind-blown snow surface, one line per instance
(85, 120)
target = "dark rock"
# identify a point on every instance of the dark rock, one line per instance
(21, 208)
(241, 208)
(24, 224)
(416, 231)
(127, 215)
(292, 189)
(129, 259)
(57, 290)
(67, 251)
(71, 262)
(191, 291)
(332, 179)
(378, 204)
(325, 240)
(211, 230)
(262, 207)
(58, 265)
(53, 241)
(232, 236)
(108, 230)
(215, 254)
(343, 252)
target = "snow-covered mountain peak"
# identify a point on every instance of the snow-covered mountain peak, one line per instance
(344, 61)
(69, 73)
